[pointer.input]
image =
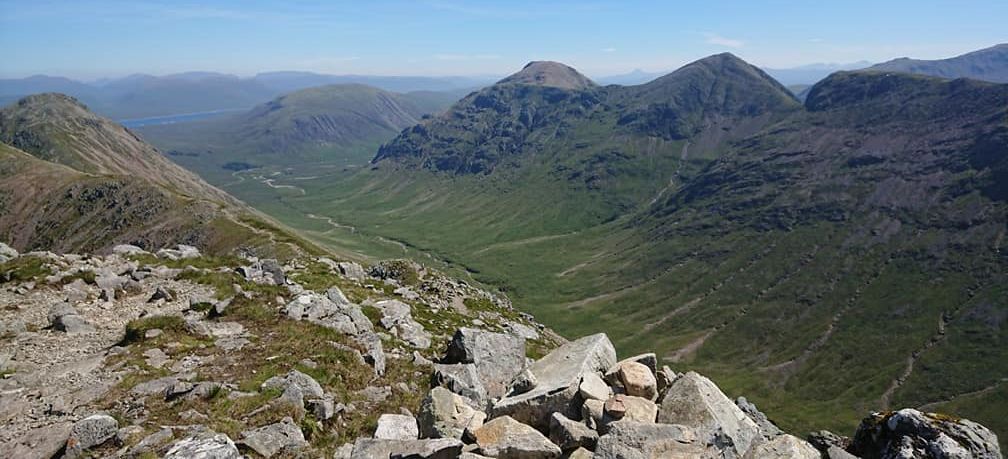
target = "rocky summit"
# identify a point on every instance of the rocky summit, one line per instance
(178, 354)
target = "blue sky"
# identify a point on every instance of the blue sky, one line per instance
(91, 39)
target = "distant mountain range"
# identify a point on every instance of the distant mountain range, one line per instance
(142, 96)
(988, 64)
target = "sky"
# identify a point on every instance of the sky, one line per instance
(85, 39)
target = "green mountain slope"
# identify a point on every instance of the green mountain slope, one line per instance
(73, 181)
(824, 260)
(336, 123)
(988, 64)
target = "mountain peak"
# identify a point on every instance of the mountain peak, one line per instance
(549, 73)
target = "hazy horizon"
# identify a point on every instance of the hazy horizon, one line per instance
(93, 40)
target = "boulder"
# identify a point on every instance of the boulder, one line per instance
(7, 253)
(65, 318)
(498, 357)
(204, 445)
(351, 270)
(313, 307)
(504, 437)
(638, 380)
(397, 427)
(594, 388)
(444, 414)
(911, 433)
(462, 379)
(835, 452)
(127, 249)
(398, 319)
(593, 413)
(824, 439)
(636, 440)
(767, 428)
(559, 375)
(90, 432)
(268, 441)
(375, 448)
(38, 443)
(161, 293)
(783, 447)
(630, 408)
(570, 435)
(306, 384)
(581, 453)
(696, 402)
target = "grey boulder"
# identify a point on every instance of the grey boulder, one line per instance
(498, 357)
(90, 432)
(570, 435)
(696, 402)
(440, 448)
(916, 434)
(204, 445)
(304, 383)
(507, 438)
(7, 253)
(268, 441)
(444, 414)
(397, 427)
(636, 440)
(559, 375)
(783, 447)
(398, 319)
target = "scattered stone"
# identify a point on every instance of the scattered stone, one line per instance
(352, 271)
(90, 432)
(39, 443)
(524, 382)
(594, 388)
(696, 402)
(665, 378)
(127, 249)
(593, 413)
(151, 442)
(911, 433)
(397, 318)
(462, 379)
(152, 333)
(65, 318)
(504, 437)
(638, 380)
(440, 448)
(156, 357)
(444, 414)
(570, 435)
(268, 441)
(306, 384)
(204, 445)
(498, 357)
(824, 439)
(322, 408)
(161, 293)
(626, 440)
(397, 427)
(559, 374)
(7, 253)
(783, 447)
(767, 428)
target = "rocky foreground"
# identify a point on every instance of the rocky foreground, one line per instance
(179, 355)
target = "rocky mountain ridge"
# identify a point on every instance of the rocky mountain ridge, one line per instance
(181, 355)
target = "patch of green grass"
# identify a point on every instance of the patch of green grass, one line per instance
(24, 269)
(136, 329)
